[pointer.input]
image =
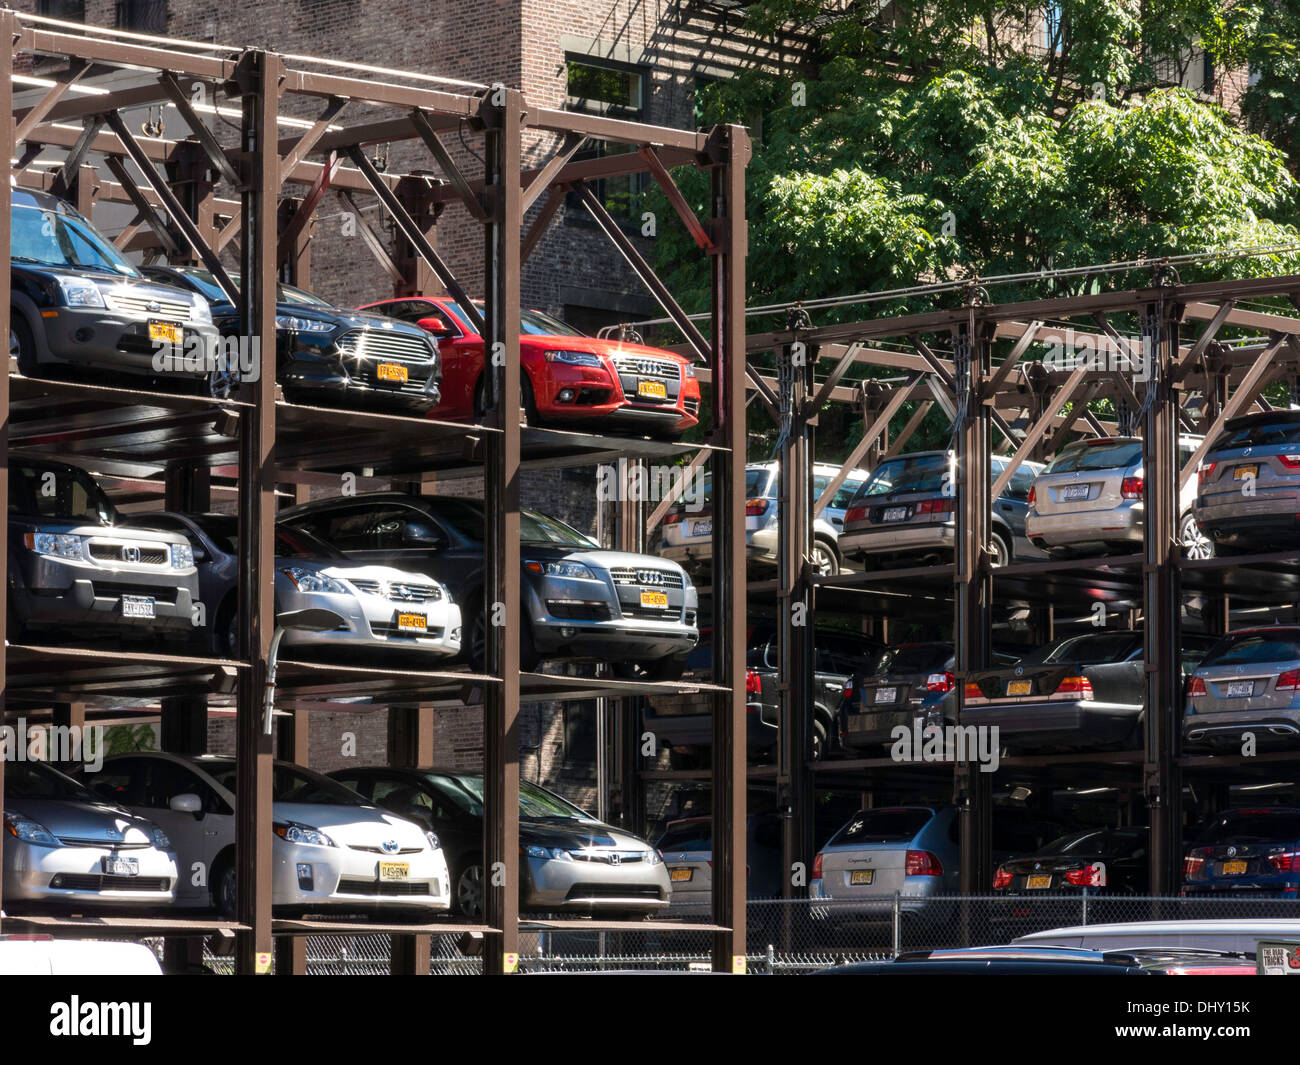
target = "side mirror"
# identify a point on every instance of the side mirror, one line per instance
(434, 324)
(186, 803)
(415, 536)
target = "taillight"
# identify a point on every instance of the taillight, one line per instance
(943, 505)
(1001, 878)
(1131, 488)
(753, 685)
(856, 514)
(939, 682)
(1291, 462)
(1088, 876)
(673, 517)
(1195, 687)
(1033, 495)
(756, 506)
(847, 693)
(922, 863)
(1285, 862)
(817, 868)
(1288, 681)
(972, 690)
(1194, 864)
(1080, 686)
(1204, 473)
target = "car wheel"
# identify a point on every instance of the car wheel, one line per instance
(474, 635)
(1195, 543)
(224, 888)
(819, 740)
(526, 398)
(220, 383)
(825, 559)
(225, 631)
(999, 553)
(469, 891)
(22, 345)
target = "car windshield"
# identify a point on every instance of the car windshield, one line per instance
(290, 784)
(53, 238)
(688, 836)
(883, 826)
(1247, 648)
(1106, 843)
(908, 473)
(1084, 650)
(62, 494)
(207, 284)
(465, 790)
(1102, 455)
(537, 528)
(918, 658)
(290, 542)
(531, 323)
(1254, 826)
(36, 780)
(760, 483)
(1260, 434)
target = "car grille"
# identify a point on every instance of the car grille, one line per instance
(382, 887)
(647, 578)
(115, 590)
(150, 306)
(112, 551)
(574, 611)
(398, 592)
(380, 346)
(380, 850)
(99, 882)
(624, 857)
(101, 844)
(692, 405)
(650, 613)
(390, 630)
(665, 369)
(614, 891)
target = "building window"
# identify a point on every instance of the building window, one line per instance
(614, 90)
(68, 10)
(142, 16)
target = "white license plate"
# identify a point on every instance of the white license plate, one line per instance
(894, 514)
(412, 623)
(137, 606)
(394, 870)
(1075, 491)
(121, 866)
(886, 695)
(702, 528)
(1240, 689)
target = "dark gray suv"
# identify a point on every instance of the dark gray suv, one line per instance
(637, 612)
(74, 567)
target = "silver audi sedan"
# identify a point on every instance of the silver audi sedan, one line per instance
(64, 844)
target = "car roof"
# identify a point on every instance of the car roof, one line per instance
(24, 197)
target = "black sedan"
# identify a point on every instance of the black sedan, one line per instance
(327, 354)
(1096, 861)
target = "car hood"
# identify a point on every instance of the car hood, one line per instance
(333, 567)
(107, 532)
(598, 346)
(598, 557)
(574, 835)
(69, 819)
(353, 826)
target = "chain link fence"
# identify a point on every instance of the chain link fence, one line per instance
(792, 935)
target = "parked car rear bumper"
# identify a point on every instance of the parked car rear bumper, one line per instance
(898, 539)
(1044, 723)
(1122, 524)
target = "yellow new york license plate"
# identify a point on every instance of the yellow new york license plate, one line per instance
(394, 870)
(1018, 687)
(391, 371)
(652, 390)
(861, 876)
(1038, 880)
(677, 876)
(655, 599)
(412, 623)
(1234, 868)
(169, 332)
(1242, 472)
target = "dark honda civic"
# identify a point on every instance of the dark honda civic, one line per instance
(568, 860)
(325, 353)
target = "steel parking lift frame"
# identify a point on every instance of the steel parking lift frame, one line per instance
(977, 362)
(201, 201)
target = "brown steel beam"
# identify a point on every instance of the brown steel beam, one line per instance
(678, 202)
(216, 155)
(145, 210)
(870, 434)
(374, 243)
(410, 745)
(29, 119)
(8, 28)
(543, 221)
(306, 211)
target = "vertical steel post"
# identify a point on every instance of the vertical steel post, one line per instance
(8, 31)
(410, 743)
(973, 587)
(502, 112)
(258, 77)
(730, 152)
(1161, 595)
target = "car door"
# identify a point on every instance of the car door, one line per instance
(461, 352)
(198, 837)
(1013, 506)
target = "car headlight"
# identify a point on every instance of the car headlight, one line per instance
(293, 832)
(307, 580)
(559, 569)
(559, 854)
(654, 857)
(182, 556)
(434, 841)
(202, 311)
(27, 830)
(303, 325)
(160, 840)
(60, 545)
(77, 292)
(690, 371)
(573, 358)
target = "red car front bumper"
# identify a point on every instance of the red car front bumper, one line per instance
(576, 394)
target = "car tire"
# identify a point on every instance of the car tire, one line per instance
(22, 344)
(826, 559)
(1000, 554)
(527, 399)
(467, 889)
(223, 887)
(820, 740)
(1196, 545)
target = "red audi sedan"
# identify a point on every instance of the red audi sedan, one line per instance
(568, 378)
